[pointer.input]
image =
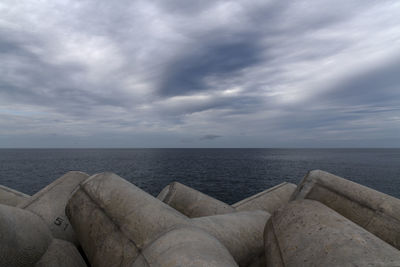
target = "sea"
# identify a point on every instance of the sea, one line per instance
(226, 174)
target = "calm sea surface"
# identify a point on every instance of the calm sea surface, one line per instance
(227, 174)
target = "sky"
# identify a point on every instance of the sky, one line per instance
(168, 73)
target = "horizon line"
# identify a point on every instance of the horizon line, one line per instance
(199, 147)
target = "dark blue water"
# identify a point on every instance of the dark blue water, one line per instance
(227, 174)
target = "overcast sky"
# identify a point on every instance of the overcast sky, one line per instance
(169, 73)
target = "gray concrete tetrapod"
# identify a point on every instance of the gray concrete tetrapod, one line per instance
(191, 202)
(61, 253)
(49, 203)
(11, 197)
(269, 200)
(24, 237)
(308, 233)
(376, 212)
(258, 262)
(194, 203)
(240, 232)
(119, 224)
(25, 240)
(184, 246)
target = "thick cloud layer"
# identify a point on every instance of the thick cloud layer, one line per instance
(200, 73)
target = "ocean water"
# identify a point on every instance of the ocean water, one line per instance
(226, 174)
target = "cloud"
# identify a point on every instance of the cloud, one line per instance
(189, 72)
(261, 73)
(379, 85)
(209, 137)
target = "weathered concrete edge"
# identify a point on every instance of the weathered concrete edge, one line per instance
(243, 201)
(13, 191)
(43, 191)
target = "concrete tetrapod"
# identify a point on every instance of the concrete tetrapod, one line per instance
(11, 197)
(376, 212)
(191, 202)
(269, 200)
(27, 241)
(49, 203)
(185, 246)
(308, 233)
(194, 203)
(61, 253)
(241, 233)
(24, 237)
(119, 224)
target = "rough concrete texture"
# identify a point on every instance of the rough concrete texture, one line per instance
(376, 212)
(119, 224)
(308, 233)
(11, 197)
(268, 200)
(191, 202)
(185, 246)
(240, 232)
(49, 203)
(24, 237)
(103, 240)
(258, 262)
(136, 212)
(61, 253)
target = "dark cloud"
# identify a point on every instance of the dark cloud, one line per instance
(210, 137)
(217, 60)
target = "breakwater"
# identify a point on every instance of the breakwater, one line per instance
(104, 220)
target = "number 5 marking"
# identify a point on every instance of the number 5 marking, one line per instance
(58, 221)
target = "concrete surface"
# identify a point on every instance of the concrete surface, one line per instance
(258, 262)
(11, 197)
(268, 200)
(376, 212)
(240, 232)
(24, 237)
(61, 253)
(49, 203)
(191, 202)
(119, 224)
(308, 233)
(103, 240)
(141, 216)
(185, 246)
